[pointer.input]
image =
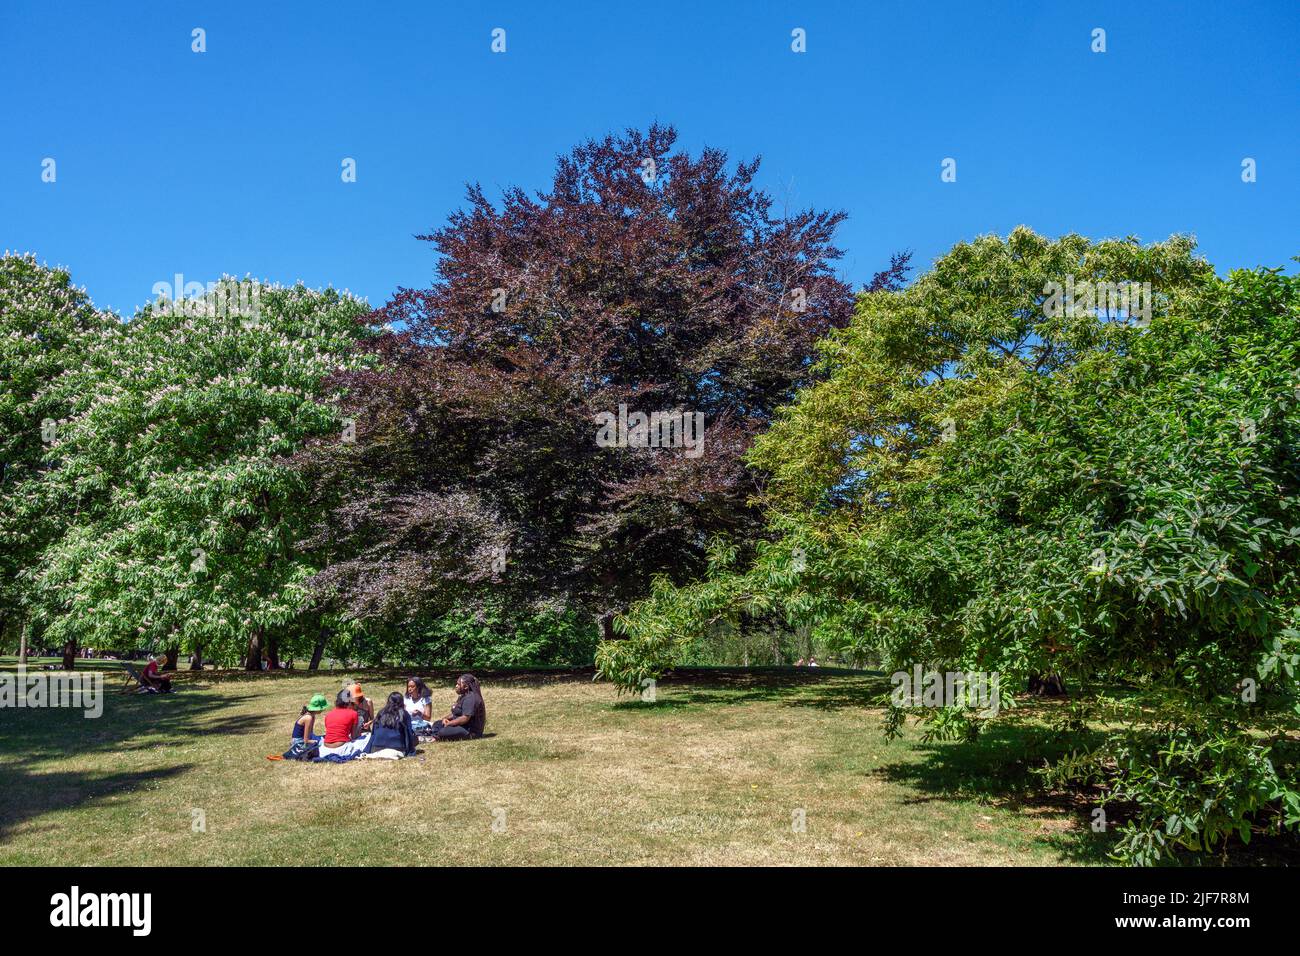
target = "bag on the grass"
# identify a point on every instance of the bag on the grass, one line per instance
(302, 751)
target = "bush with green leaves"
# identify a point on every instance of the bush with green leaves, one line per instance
(980, 483)
(1200, 776)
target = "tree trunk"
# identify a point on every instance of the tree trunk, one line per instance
(196, 662)
(70, 654)
(253, 659)
(607, 626)
(23, 642)
(171, 656)
(318, 651)
(273, 653)
(1047, 685)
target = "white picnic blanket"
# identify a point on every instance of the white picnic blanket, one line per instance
(347, 749)
(385, 753)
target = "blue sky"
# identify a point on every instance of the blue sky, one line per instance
(229, 161)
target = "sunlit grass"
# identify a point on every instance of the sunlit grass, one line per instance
(714, 773)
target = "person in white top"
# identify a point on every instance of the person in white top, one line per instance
(419, 704)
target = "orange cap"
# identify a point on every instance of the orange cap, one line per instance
(356, 692)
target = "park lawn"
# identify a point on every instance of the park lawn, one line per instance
(712, 773)
(10, 663)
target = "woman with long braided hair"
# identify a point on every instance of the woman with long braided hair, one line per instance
(468, 715)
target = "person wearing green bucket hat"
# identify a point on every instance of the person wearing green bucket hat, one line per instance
(306, 722)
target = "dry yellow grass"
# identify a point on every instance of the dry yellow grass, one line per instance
(718, 772)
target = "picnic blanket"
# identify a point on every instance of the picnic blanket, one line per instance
(337, 758)
(386, 753)
(345, 752)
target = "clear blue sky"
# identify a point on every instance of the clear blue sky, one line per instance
(229, 161)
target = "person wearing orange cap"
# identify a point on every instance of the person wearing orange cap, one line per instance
(365, 710)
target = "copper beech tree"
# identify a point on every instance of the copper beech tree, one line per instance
(496, 450)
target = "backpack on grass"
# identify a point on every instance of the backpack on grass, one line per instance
(302, 751)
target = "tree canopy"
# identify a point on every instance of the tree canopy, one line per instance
(980, 485)
(180, 515)
(47, 325)
(643, 281)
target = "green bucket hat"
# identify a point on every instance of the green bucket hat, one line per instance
(318, 703)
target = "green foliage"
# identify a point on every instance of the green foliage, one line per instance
(496, 636)
(180, 513)
(497, 639)
(1197, 776)
(46, 326)
(980, 484)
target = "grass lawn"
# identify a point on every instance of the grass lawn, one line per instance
(712, 773)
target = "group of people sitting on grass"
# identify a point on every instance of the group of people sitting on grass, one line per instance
(353, 729)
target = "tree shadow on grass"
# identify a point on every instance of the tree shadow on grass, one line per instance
(113, 670)
(35, 743)
(435, 677)
(834, 690)
(754, 677)
(51, 733)
(735, 684)
(27, 795)
(997, 768)
(636, 704)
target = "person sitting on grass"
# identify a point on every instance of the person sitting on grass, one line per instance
(392, 731)
(419, 704)
(342, 727)
(468, 715)
(305, 725)
(365, 710)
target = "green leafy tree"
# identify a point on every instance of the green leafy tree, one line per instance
(46, 327)
(984, 483)
(183, 516)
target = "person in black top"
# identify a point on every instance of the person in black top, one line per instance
(392, 728)
(468, 715)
